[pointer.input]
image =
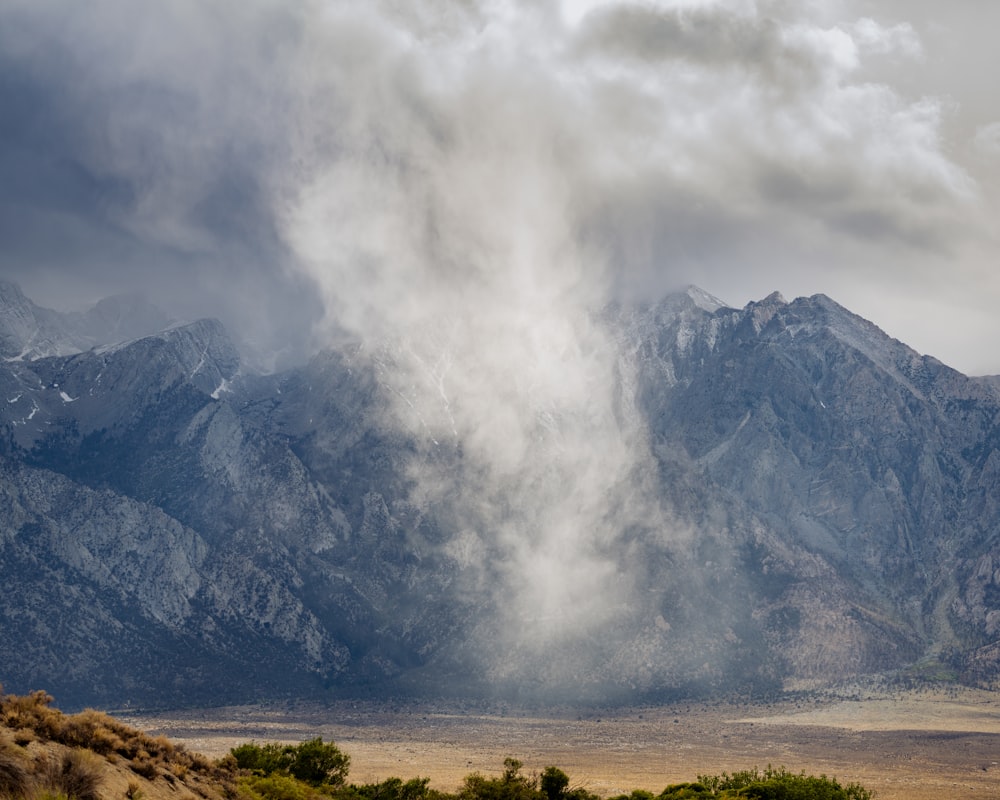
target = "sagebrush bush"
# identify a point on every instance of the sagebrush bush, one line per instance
(23, 738)
(30, 711)
(775, 782)
(15, 777)
(77, 775)
(145, 766)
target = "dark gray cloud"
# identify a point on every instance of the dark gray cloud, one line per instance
(189, 149)
(136, 154)
(704, 35)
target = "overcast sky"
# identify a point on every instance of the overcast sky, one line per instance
(292, 165)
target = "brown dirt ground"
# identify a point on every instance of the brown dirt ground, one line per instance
(906, 746)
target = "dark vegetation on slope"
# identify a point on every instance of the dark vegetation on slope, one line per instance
(48, 755)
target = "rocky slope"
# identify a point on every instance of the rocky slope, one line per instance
(174, 531)
(868, 472)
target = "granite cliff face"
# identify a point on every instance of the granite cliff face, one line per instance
(866, 471)
(175, 531)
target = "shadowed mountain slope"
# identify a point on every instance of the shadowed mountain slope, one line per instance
(175, 531)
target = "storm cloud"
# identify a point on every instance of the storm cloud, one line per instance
(741, 146)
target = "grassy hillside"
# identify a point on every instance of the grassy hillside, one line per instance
(46, 754)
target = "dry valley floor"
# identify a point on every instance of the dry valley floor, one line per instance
(913, 745)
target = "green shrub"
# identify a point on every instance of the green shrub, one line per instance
(687, 791)
(314, 762)
(773, 784)
(389, 789)
(319, 763)
(554, 783)
(635, 794)
(277, 787)
(263, 759)
(511, 786)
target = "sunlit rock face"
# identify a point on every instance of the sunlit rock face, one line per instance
(760, 495)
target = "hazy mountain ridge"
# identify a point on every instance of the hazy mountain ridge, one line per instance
(148, 447)
(166, 514)
(28, 331)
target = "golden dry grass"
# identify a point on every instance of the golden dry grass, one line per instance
(93, 756)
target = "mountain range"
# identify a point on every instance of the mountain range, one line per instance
(806, 500)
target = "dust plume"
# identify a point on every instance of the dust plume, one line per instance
(477, 181)
(447, 234)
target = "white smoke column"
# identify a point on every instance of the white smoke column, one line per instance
(446, 229)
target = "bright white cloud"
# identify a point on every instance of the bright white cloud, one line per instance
(899, 40)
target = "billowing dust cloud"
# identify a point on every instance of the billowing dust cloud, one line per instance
(446, 233)
(476, 181)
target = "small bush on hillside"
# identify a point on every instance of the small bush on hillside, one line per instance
(23, 738)
(95, 730)
(30, 712)
(76, 775)
(143, 765)
(15, 777)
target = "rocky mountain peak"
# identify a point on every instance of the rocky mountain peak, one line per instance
(702, 299)
(28, 331)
